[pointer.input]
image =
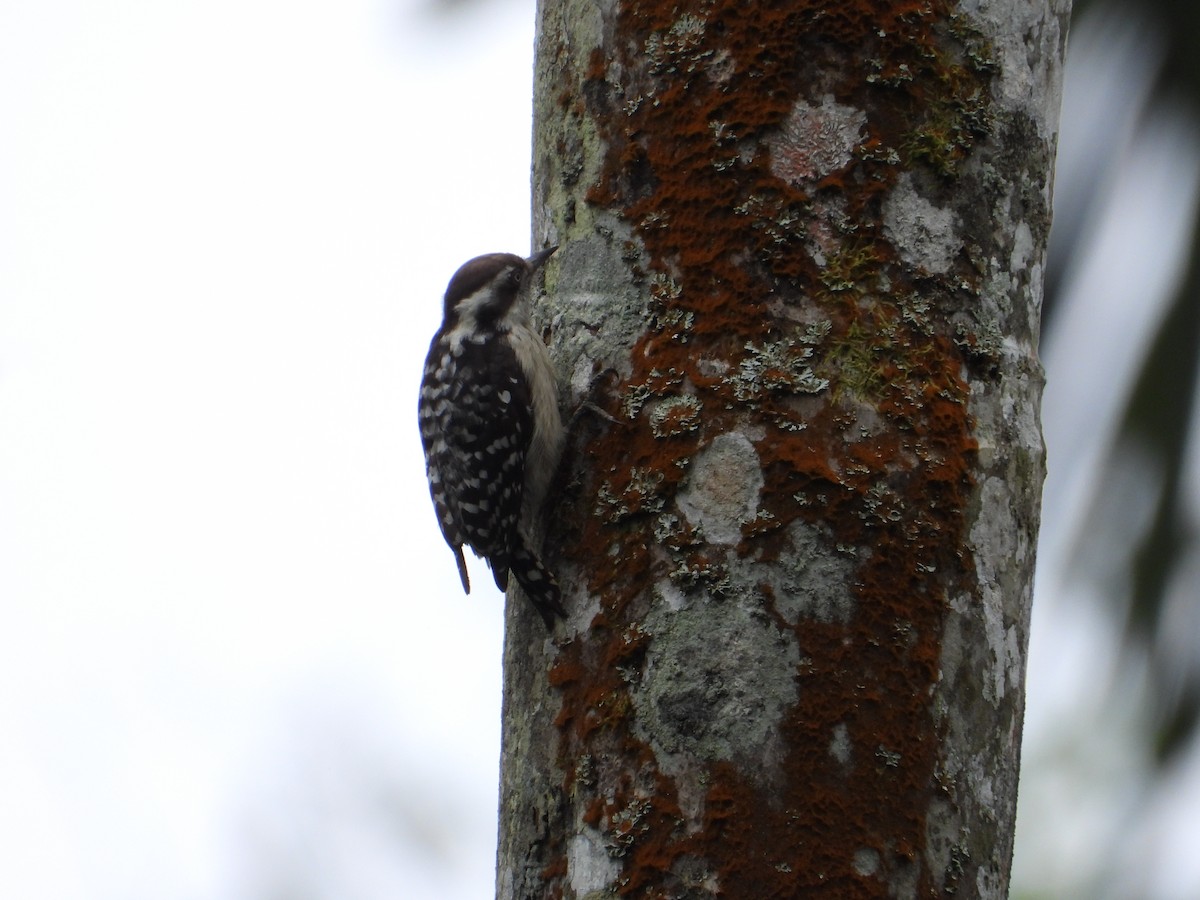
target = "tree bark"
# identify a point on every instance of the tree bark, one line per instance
(800, 265)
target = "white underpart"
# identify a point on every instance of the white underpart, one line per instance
(546, 446)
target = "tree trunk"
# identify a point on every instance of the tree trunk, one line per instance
(801, 267)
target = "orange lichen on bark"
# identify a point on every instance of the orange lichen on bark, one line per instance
(686, 99)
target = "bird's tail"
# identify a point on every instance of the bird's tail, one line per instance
(462, 568)
(539, 585)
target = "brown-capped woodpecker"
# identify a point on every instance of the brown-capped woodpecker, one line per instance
(490, 424)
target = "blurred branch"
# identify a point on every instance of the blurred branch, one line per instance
(1148, 57)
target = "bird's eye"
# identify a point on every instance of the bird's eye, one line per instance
(514, 277)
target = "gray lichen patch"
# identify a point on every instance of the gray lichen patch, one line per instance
(778, 366)
(1023, 251)
(948, 849)
(997, 581)
(718, 681)
(839, 744)
(926, 236)
(866, 861)
(723, 488)
(816, 140)
(590, 866)
(1028, 45)
(595, 309)
(675, 415)
(812, 582)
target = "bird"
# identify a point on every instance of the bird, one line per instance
(490, 424)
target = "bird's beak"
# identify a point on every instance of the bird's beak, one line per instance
(536, 261)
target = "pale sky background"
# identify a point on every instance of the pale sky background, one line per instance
(235, 660)
(234, 649)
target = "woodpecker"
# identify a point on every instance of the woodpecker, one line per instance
(490, 424)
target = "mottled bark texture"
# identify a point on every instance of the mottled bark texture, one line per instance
(801, 267)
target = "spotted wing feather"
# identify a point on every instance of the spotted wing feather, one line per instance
(476, 429)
